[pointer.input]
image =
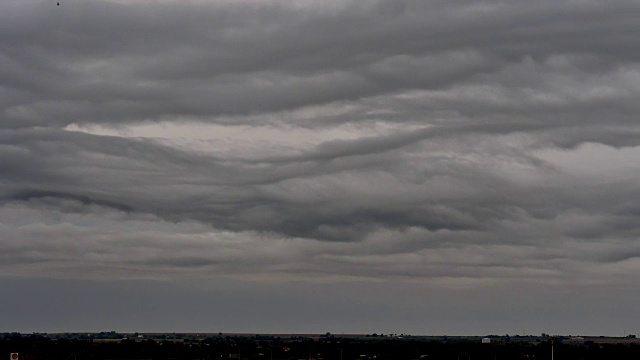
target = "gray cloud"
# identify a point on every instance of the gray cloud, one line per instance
(204, 61)
(450, 144)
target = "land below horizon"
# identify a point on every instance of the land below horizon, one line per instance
(113, 345)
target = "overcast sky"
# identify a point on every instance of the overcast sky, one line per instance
(424, 167)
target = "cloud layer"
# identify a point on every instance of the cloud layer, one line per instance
(455, 144)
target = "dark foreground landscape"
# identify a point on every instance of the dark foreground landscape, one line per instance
(173, 346)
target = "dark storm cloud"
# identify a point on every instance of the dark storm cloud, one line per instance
(226, 193)
(84, 200)
(455, 181)
(114, 63)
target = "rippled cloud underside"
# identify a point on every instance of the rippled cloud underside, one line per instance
(368, 154)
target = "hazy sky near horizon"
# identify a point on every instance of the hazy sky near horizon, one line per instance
(308, 166)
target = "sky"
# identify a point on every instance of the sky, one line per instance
(390, 166)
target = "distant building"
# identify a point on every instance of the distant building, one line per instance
(486, 341)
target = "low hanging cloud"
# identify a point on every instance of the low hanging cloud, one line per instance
(450, 142)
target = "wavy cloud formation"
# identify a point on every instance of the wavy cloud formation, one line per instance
(455, 144)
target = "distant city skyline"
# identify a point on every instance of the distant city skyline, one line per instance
(396, 166)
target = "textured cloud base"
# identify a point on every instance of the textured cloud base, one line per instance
(448, 144)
